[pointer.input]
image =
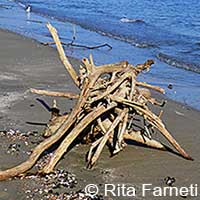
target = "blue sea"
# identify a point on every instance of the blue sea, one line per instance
(167, 31)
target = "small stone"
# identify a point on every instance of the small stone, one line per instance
(46, 190)
(40, 191)
(169, 180)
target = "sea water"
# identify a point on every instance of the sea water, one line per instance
(167, 31)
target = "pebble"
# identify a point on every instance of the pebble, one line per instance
(59, 179)
(179, 113)
(169, 180)
(16, 134)
(49, 184)
(13, 148)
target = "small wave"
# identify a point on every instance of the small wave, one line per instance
(178, 63)
(197, 43)
(5, 6)
(133, 41)
(22, 5)
(127, 20)
(145, 45)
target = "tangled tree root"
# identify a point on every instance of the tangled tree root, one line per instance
(109, 103)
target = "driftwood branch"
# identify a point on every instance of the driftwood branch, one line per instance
(156, 88)
(79, 45)
(61, 52)
(54, 94)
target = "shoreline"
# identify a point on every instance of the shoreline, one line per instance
(185, 83)
(78, 60)
(25, 63)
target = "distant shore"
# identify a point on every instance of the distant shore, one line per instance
(24, 63)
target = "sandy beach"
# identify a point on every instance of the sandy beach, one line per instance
(25, 64)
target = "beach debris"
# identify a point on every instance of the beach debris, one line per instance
(49, 184)
(59, 184)
(79, 195)
(43, 160)
(179, 113)
(13, 135)
(111, 109)
(169, 181)
(79, 45)
(73, 44)
(18, 140)
(46, 195)
(13, 148)
(35, 21)
(170, 86)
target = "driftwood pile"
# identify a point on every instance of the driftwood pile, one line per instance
(110, 103)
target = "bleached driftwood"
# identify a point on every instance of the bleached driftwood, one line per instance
(110, 100)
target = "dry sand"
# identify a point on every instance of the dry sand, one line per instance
(24, 63)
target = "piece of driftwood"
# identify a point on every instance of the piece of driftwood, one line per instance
(55, 94)
(79, 45)
(111, 109)
(73, 44)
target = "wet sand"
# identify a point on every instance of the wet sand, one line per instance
(24, 63)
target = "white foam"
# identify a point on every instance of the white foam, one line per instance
(127, 20)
